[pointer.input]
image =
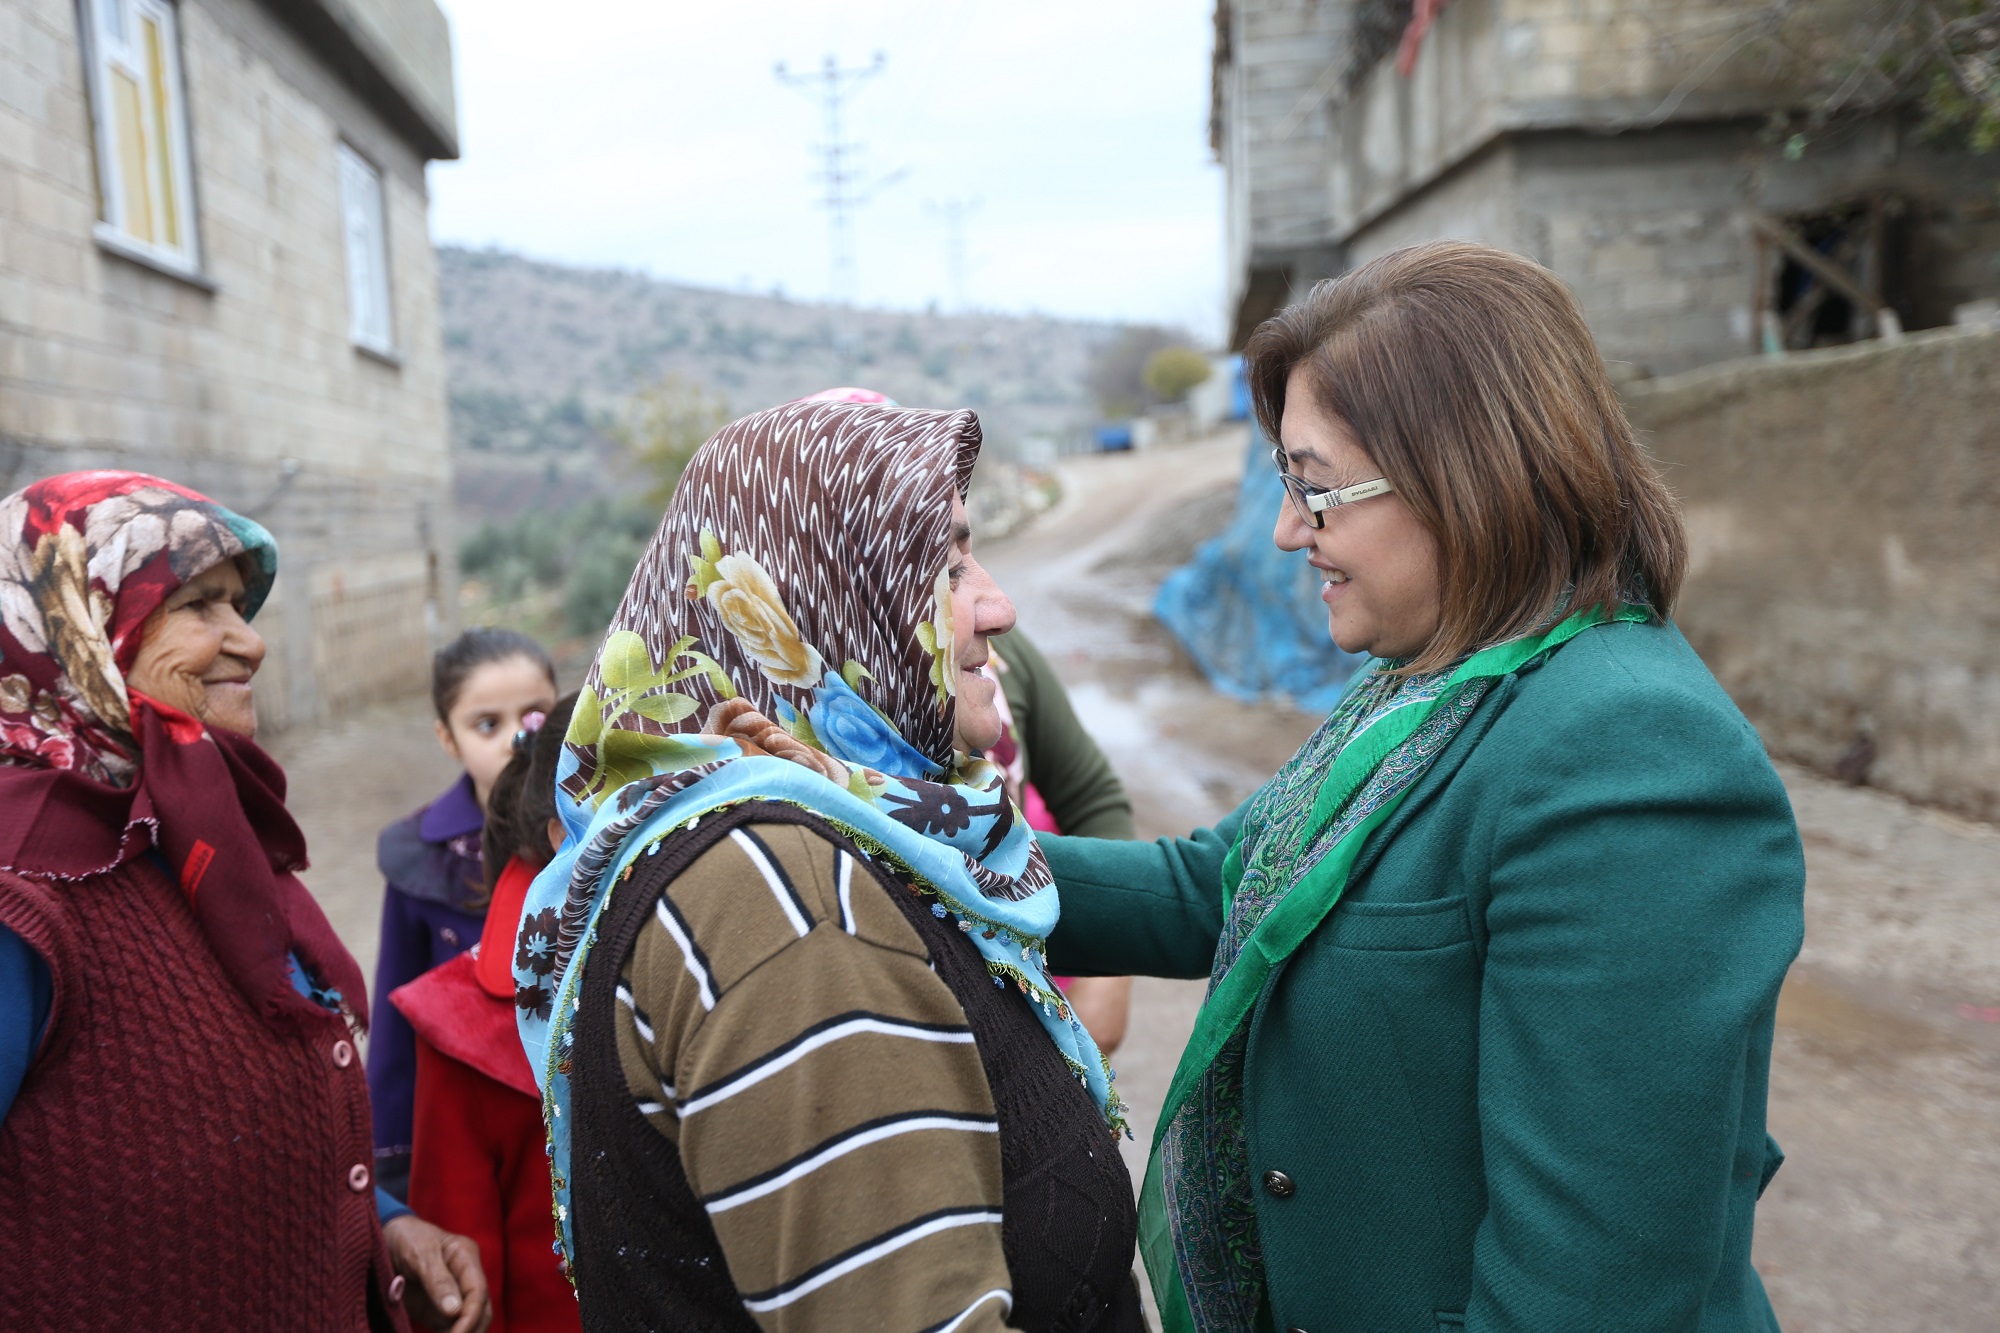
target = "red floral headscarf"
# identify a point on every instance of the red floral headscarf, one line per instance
(94, 774)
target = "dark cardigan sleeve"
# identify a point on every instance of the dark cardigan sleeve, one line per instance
(392, 1044)
(1150, 909)
(24, 1011)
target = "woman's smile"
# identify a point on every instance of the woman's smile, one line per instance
(228, 693)
(1333, 582)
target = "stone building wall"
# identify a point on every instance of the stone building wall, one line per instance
(1654, 243)
(1601, 138)
(1653, 231)
(245, 384)
(1842, 510)
(1274, 62)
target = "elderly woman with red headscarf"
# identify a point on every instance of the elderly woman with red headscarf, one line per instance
(184, 1123)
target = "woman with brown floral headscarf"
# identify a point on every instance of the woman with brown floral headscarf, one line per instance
(184, 1134)
(803, 1065)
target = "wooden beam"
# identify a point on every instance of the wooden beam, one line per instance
(1813, 262)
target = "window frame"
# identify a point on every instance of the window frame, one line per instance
(346, 158)
(175, 176)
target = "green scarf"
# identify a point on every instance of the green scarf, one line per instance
(1300, 838)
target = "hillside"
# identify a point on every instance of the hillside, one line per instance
(541, 358)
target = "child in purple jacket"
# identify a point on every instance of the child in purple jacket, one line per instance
(483, 684)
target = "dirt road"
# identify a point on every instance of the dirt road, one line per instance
(1886, 1079)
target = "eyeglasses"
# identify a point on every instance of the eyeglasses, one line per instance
(1311, 504)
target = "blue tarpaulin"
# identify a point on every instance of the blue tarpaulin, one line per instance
(1250, 614)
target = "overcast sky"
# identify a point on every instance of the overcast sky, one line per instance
(651, 134)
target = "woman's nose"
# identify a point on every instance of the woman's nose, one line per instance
(1291, 533)
(243, 642)
(996, 612)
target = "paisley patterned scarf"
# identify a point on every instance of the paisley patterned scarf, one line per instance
(94, 774)
(1301, 834)
(801, 574)
(1206, 1166)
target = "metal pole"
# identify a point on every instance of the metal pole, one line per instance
(832, 86)
(958, 264)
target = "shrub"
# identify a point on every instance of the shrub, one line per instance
(1172, 371)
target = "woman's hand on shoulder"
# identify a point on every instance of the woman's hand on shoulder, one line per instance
(755, 734)
(445, 1288)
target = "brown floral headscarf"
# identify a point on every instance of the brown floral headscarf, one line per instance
(807, 541)
(796, 602)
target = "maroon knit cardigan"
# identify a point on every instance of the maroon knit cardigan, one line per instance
(173, 1162)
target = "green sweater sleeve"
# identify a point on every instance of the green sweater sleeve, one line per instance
(1139, 908)
(1064, 763)
(1647, 889)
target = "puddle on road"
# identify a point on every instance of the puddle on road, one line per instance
(1187, 756)
(1849, 1030)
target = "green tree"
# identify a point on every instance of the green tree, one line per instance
(597, 577)
(1172, 371)
(1118, 369)
(664, 424)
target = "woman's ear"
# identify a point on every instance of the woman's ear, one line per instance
(555, 835)
(447, 743)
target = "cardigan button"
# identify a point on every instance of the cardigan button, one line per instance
(1279, 1185)
(343, 1053)
(396, 1288)
(357, 1177)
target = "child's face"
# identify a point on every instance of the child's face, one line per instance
(491, 703)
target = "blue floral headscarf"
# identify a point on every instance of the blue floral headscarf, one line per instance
(788, 636)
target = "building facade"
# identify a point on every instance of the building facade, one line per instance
(216, 266)
(1624, 143)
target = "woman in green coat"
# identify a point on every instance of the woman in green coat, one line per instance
(1493, 960)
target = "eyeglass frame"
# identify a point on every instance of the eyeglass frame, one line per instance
(1311, 503)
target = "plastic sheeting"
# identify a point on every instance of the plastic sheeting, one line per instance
(1250, 614)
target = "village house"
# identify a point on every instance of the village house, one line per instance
(216, 266)
(1626, 144)
(1839, 498)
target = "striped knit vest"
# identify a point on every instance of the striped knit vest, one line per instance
(646, 1255)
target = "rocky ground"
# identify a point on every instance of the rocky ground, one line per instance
(1886, 1078)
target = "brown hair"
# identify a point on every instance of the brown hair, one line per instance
(523, 799)
(454, 663)
(1469, 377)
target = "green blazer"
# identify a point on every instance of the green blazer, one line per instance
(1516, 1079)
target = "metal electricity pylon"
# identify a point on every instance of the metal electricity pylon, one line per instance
(958, 264)
(839, 173)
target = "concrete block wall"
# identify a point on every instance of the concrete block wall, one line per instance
(1275, 127)
(1843, 507)
(1490, 68)
(1651, 229)
(249, 391)
(1650, 234)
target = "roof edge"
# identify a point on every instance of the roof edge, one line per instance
(365, 62)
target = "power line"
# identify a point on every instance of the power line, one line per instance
(832, 86)
(958, 263)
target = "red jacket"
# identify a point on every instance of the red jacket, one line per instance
(478, 1165)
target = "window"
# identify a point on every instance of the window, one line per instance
(363, 221)
(1837, 275)
(142, 136)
